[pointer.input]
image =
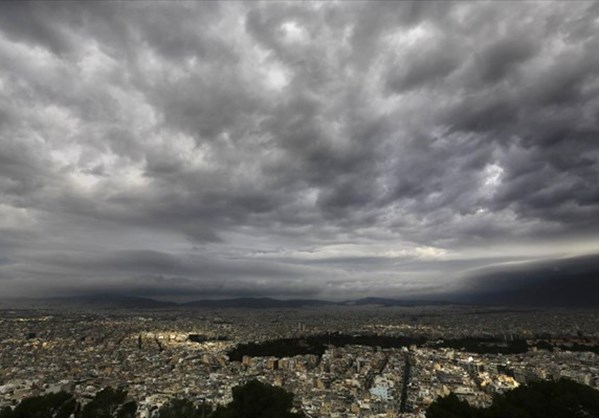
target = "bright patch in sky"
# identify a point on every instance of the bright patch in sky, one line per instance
(293, 32)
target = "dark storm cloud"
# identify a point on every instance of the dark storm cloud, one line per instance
(27, 21)
(560, 282)
(322, 148)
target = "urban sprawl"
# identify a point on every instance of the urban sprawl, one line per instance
(157, 355)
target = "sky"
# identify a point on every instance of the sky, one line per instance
(327, 150)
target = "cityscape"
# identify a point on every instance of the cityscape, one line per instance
(164, 353)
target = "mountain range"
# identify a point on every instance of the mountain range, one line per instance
(133, 302)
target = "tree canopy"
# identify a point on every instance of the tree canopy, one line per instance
(252, 400)
(52, 405)
(258, 400)
(545, 399)
(183, 408)
(110, 403)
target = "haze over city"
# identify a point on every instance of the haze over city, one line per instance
(321, 150)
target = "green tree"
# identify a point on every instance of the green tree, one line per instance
(546, 399)
(6, 412)
(110, 403)
(258, 400)
(52, 405)
(183, 408)
(450, 407)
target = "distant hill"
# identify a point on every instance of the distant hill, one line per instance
(97, 301)
(396, 302)
(255, 303)
(266, 303)
(132, 302)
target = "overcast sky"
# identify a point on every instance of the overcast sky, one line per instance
(313, 150)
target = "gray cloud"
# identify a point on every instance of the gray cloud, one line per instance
(562, 282)
(319, 148)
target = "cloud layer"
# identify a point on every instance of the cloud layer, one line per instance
(330, 149)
